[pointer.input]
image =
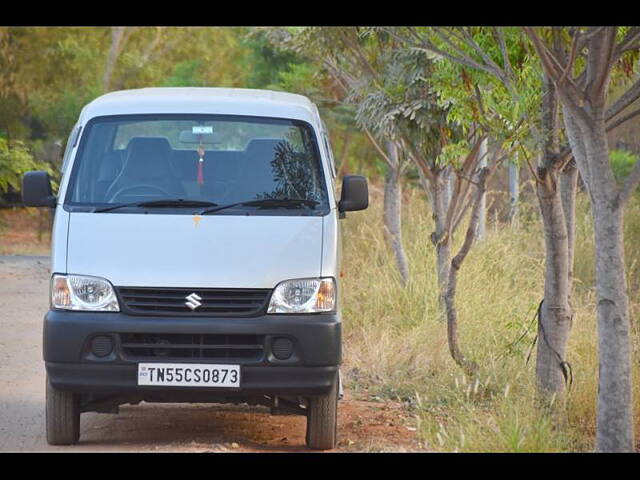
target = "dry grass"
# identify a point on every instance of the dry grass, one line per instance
(396, 346)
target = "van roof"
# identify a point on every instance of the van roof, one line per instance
(205, 100)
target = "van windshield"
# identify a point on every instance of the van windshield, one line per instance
(213, 159)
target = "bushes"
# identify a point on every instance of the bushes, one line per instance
(15, 159)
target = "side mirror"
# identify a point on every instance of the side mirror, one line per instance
(354, 195)
(36, 190)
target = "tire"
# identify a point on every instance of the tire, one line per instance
(322, 420)
(62, 416)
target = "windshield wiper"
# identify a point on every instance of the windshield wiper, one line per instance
(178, 202)
(265, 203)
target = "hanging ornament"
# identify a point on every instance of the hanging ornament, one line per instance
(201, 152)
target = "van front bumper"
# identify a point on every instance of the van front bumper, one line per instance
(310, 370)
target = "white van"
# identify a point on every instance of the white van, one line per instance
(195, 257)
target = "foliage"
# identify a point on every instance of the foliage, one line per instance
(402, 104)
(306, 73)
(195, 56)
(50, 73)
(265, 62)
(186, 73)
(15, 159)
(388, 90)
(622, 162)
(494, 83)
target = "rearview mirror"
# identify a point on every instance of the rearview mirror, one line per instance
(355, 193)
(36, 190)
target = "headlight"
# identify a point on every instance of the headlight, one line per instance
(79, 292)
(305, 295)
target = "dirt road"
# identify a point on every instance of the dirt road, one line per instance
(363, 425)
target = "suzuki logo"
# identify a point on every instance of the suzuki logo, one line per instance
(193, 301)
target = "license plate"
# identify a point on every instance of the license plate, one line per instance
(188, 375)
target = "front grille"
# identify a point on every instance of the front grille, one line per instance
(214, 301)
(182, 346)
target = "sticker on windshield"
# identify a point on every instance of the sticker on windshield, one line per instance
(201, 129)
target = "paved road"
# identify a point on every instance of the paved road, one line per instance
(151, 427)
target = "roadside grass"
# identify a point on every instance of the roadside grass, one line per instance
(396, 345)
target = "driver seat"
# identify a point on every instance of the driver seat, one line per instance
(147, 162)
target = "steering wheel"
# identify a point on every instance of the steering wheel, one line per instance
(141, 185)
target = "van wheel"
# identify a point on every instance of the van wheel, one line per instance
(322, 420)
(62, 416)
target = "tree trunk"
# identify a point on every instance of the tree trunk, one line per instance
(467, 365)
(584, 115)
(614, 429)
(448, 176)
(482, 221)
(569, 191)
(117, 34)
(614, 432)
(557, 205)
(393, 219)
(555, 311)
(514, 192)
(439, 237)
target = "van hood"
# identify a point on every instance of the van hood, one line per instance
(223, 251)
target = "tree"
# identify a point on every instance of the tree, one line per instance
(352, 61)
(497, 59)
(396, 103)
(580, 63)
(12, 92)
(266, 62)
(119, 37)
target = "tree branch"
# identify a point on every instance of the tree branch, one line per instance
(623, 119)
(467, 202)
(419, 160)
(444, 37)
(545, 55)
(462, 59)
(600, 60)
(375, 143)
(626, 99)
(354, 46)
(631, 41)
(584, 38)
(469, 164)
(487, 59)
(505, 53)
(554, 67)
(572, 57)
(475, 218)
